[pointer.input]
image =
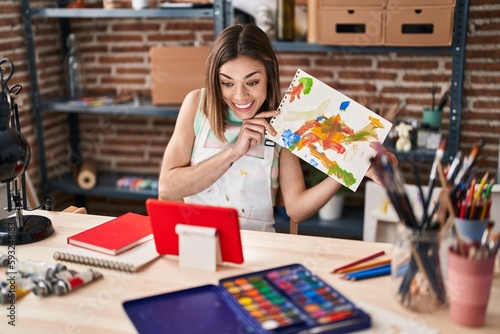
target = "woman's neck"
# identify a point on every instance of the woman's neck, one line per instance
(231, 117)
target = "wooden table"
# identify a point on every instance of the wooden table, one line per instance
(97, 307)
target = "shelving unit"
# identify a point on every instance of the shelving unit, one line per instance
(222, 14)
(456, 50)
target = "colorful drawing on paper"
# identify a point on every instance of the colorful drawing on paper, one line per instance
(328, 129)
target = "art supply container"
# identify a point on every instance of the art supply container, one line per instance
(432, 117)
(471, 230)
(417, 267)
(469, 287)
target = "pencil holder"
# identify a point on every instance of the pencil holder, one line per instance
(469, 285)
(432, 117)
(417, 267)
(471, 230)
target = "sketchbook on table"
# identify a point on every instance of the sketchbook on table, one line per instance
(327, 129)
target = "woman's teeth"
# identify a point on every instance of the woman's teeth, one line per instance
(243, 106)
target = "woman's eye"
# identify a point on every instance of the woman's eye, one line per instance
(227, 84)
(253, 83)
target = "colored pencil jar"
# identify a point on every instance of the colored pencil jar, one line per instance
(432, 117)
(418, 267)
(471, 230)
(469, 287)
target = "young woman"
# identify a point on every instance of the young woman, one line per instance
(218, 155)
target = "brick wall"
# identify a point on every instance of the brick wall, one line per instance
(115, 58)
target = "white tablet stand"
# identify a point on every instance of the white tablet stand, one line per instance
(199, 247)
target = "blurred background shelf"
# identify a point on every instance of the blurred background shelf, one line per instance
(145, 109)
(348, 226)
(105, 187)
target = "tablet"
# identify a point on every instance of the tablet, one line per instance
(165, 215)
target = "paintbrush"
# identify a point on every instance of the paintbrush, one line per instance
(494, 244)
(432, 177)
(453, 169)
(468, 162)
(433, 96)
(425, 217)
(391, 113)
(392, 180)
(443, 100)
(486, 235)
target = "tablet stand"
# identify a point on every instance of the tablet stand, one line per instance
(199, 247)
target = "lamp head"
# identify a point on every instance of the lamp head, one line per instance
(14, 155)
(14, 149)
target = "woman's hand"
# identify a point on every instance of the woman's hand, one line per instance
(253, 131)
(392, 159)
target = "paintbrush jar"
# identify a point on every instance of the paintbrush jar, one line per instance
(417, 269)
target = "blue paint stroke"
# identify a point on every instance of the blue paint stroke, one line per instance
(313, 162)
(289, 138)
(344, 105)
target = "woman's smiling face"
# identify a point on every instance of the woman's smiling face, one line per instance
(244, 85)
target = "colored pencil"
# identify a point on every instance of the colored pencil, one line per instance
(369, 273)
(360, 261)
(364, 266)
(479, 190)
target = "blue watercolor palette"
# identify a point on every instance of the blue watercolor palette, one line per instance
(281, 300)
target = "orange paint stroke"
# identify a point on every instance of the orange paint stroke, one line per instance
(307, 126)
(295, 91)
(322, 157)
(307, 140)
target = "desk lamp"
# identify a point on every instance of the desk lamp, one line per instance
(14, 159)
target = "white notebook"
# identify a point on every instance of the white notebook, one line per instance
(129, 261)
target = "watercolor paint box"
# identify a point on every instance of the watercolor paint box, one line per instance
(288, 299)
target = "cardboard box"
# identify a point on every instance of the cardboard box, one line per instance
(423, 26)
(345, 26)
(416, 3)
(175, 71)
(352, 3)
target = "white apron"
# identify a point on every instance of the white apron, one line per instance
(246, 185)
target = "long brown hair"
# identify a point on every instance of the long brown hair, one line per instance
(238, 40)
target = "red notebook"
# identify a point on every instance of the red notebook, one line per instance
(115, 236)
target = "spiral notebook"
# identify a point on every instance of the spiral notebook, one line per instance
(130, 261)
(327, 129)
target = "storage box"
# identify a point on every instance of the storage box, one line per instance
(175, 71)
(416, 3)
(352, 3)
(422, 26)
(346, 26)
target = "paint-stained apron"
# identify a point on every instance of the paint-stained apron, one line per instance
(246, 185)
